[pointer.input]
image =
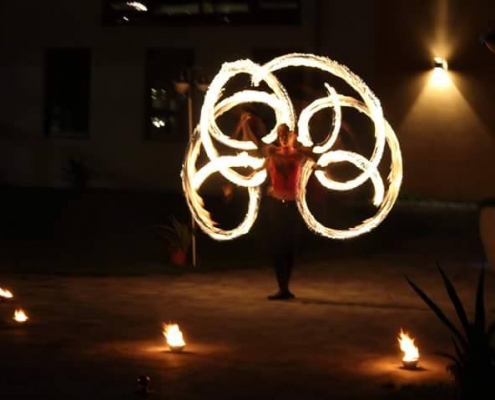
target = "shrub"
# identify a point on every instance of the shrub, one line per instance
(473, 361)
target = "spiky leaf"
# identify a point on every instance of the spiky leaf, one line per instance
(460, 355)
(459, 308)
(449, 357)
(479, 314)
(491, 330)
(177, 235)
(439, 313)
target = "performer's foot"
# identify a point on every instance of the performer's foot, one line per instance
(285, 295)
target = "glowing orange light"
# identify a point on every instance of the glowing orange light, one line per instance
(20, 316)
(5, 294)
(411, 352)
(137, 6)
(174, 337)
(440, 78)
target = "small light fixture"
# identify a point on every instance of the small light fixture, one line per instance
(181, 87)
(182, 84)
(202, 83)
(137, 6)
(5, 295)
(440, 63)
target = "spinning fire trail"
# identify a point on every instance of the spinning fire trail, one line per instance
(193, 176)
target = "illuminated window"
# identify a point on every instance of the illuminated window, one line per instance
(67, 92)
(226, 7)
(123, 12)
(166, 110)
(279, 4)
(171, 8)
(201, 12)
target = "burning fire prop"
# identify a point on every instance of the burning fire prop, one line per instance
(410, 350)
(5, 295)
(174, 337)
(20, 316)
(208, 132)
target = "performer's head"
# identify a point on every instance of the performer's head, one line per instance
(248, 111)
(286, 137)
(248, 108)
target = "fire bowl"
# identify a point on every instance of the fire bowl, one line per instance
(6, 300)
(410, 364)
(176, 349)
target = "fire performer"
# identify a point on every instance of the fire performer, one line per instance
(288, 168)
(284, 162)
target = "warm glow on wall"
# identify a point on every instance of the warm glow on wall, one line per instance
(440, 78)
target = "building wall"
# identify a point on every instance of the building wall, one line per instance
(116, 148)
(446, 132)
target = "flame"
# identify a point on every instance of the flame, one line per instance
(407, 346)
(173, 335)
(6, 293)
(20, 315)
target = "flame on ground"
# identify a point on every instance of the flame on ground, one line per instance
(173, 335)
(20, 316)
(6, 293)
(407, 346)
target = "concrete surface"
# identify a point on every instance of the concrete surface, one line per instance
(89, 337)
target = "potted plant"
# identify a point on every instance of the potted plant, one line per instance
(77, 173)
(473, 360)
(177, 236)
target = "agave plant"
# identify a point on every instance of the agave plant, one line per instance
(473, 361)
(77, 173)
(177, 235)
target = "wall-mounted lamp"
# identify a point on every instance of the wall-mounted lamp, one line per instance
(440, 63)
(191, 76)
(488, 39)
(440, 76)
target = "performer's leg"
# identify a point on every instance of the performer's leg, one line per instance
(283, 247)
(278, 241)
(289, 243)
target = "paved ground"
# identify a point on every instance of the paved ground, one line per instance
(89, 337)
